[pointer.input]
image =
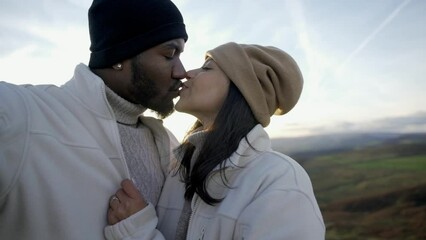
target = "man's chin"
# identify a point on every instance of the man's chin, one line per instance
(163, 112)
(162, 115)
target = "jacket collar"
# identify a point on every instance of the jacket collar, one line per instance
(89, 89)
(257, 139)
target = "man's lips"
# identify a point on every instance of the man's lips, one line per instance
(177, 86)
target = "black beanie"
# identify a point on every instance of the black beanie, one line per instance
(122, 29)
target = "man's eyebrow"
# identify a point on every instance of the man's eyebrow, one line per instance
(174, 46)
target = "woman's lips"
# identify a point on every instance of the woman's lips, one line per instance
(183, 87)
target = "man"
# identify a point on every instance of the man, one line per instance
(65, 150)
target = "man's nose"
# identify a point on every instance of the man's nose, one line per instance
(179, 70)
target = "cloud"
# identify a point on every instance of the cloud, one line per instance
(380, 43)
(13, 39)
(46, 12)
(409, 123)
(400, 124)
(23, 22)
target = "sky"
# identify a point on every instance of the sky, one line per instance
(363, 61)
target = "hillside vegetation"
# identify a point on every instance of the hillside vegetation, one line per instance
(374, 190)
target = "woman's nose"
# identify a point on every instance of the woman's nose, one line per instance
(190, 74)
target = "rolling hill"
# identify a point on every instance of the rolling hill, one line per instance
(369, 186)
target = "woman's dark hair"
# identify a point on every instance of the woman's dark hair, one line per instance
(233, 122)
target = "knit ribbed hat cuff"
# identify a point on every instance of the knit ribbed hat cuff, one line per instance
(127, 49)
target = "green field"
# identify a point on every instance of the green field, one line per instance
(373, 193)
(410, 163)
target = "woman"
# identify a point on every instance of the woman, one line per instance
(229, 184)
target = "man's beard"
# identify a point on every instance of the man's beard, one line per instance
(144, 90)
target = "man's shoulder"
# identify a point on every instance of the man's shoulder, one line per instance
(11, 88)
(11, 93)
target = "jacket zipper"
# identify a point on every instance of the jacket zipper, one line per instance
(194, 205)
(117, 137)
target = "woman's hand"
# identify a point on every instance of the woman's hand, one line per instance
(126, 201)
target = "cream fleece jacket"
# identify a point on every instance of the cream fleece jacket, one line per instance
(61, 158)
(270, 197)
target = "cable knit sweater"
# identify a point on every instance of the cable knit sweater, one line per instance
(139, 147)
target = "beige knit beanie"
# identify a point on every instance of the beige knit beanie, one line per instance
(268, 78)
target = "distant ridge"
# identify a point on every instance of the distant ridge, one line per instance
(341, 142)
(348, 136)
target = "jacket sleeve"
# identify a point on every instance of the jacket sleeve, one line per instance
(281, 214)
(14, 126)
(140, 226)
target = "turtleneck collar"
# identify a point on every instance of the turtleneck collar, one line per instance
(125, 112)
(197, 138)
